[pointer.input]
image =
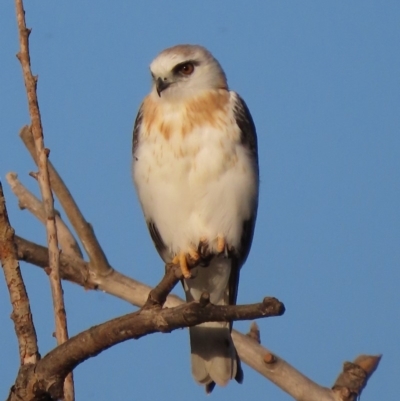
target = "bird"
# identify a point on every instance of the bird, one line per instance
(195, 169)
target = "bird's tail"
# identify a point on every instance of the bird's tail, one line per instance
(214, 357)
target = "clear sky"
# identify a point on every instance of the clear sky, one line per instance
(322, 80)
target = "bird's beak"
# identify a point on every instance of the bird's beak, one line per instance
(161, 85)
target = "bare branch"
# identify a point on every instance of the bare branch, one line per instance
(354, 377)
(158, 295)
(27, 200)
(257, 357)
(279, 372)
(21, 315)
(44, 183)
(146, 321)
(83, 229)
(77, 271)
(46, 376)
(254, 332)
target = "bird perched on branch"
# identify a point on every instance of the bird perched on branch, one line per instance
(195, 169)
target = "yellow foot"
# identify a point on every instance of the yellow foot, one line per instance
(181, 260)
(220, 244)
(194, 255)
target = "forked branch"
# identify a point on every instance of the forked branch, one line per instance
(46, 377)
(264, 361)
(84, 230)
(21, 314)
(44, 183)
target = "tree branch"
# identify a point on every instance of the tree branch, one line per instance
(51, 370)
(77, 271)
(158, 295)
(146, 321)
(279, 372)
(26, 200)
(21, 315)
(83, 229)
(354, 377)
(44, 183)
(250, 351)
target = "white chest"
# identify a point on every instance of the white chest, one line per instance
(199, 185)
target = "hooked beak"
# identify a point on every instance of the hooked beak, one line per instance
(161, 85)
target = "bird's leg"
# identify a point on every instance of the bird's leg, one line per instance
(186, 259)
(221, 243)
(194, 255)
(180, 259)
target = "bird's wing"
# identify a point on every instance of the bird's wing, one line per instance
(248, 137)
(158, 241)
(136, 129)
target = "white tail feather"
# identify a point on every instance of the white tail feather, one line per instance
(213, 354)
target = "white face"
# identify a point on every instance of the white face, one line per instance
(184, 71)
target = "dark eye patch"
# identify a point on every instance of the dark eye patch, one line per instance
(185, 68)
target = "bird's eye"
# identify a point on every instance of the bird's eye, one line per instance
(186, 69)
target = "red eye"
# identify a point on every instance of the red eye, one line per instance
(187, 69)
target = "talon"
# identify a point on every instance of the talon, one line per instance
(203, 247)
(220, 244)
(193, 254)
(181, 260)
(203, 240)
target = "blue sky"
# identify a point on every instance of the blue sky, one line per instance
(322, 82)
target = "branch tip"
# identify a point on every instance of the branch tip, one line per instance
(368, 363)
(354, 376)
(158, 295)
(34, 174)
(269, 358)
(254, 332)
(204, 299)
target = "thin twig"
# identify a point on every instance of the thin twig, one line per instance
(84, 230)
(45, 189)
(27, 200)
(78, 271)
(281, 373)
(158, 295)
(254, 332)
(21, 315)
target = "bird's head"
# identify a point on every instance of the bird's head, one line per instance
(183, 71)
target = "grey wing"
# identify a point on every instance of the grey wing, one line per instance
(136, 129)
(158, 242)
(245, 122)
(248, 138)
